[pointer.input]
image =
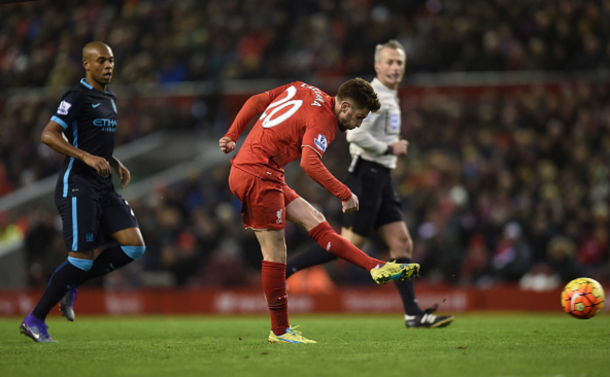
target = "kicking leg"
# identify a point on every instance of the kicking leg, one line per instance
(300, 212)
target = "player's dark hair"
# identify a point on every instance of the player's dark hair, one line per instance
(361, 92)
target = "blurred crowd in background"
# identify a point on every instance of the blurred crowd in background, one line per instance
(168, 41)
(498, 186)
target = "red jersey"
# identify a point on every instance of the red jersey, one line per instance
(296, 116)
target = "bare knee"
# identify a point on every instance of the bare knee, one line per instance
(354, 238)
(316, 218)
(397, 237)
(401, 246)
(312, 220)
(273, 245)
(129, 237)
(304, 214)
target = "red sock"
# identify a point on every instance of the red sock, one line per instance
(274, 286)
(332, 242)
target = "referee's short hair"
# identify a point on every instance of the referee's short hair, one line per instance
(392, 43)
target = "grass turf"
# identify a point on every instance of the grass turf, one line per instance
(349, 345)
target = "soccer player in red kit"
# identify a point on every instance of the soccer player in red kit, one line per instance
(298, 120)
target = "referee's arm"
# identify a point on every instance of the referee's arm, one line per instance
(363, 138)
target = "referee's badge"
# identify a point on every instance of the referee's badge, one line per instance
(395, 121)
(321, 142)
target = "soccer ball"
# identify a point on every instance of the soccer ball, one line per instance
(582, 298)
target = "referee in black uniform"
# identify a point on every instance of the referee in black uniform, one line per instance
(375, 147)
(93, 214)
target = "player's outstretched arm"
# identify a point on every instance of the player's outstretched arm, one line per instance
(122, 171)
(52, 135)
(226, 144)
(253, 106)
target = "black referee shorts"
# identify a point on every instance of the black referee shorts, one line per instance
(379, 202)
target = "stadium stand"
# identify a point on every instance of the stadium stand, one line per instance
(502, 182)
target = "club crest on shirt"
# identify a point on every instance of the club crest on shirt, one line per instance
(321, 142)
(63, 108)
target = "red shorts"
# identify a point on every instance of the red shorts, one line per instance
(263, 202)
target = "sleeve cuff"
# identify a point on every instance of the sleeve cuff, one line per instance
(59, 121)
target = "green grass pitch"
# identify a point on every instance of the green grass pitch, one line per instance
(506, 344)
